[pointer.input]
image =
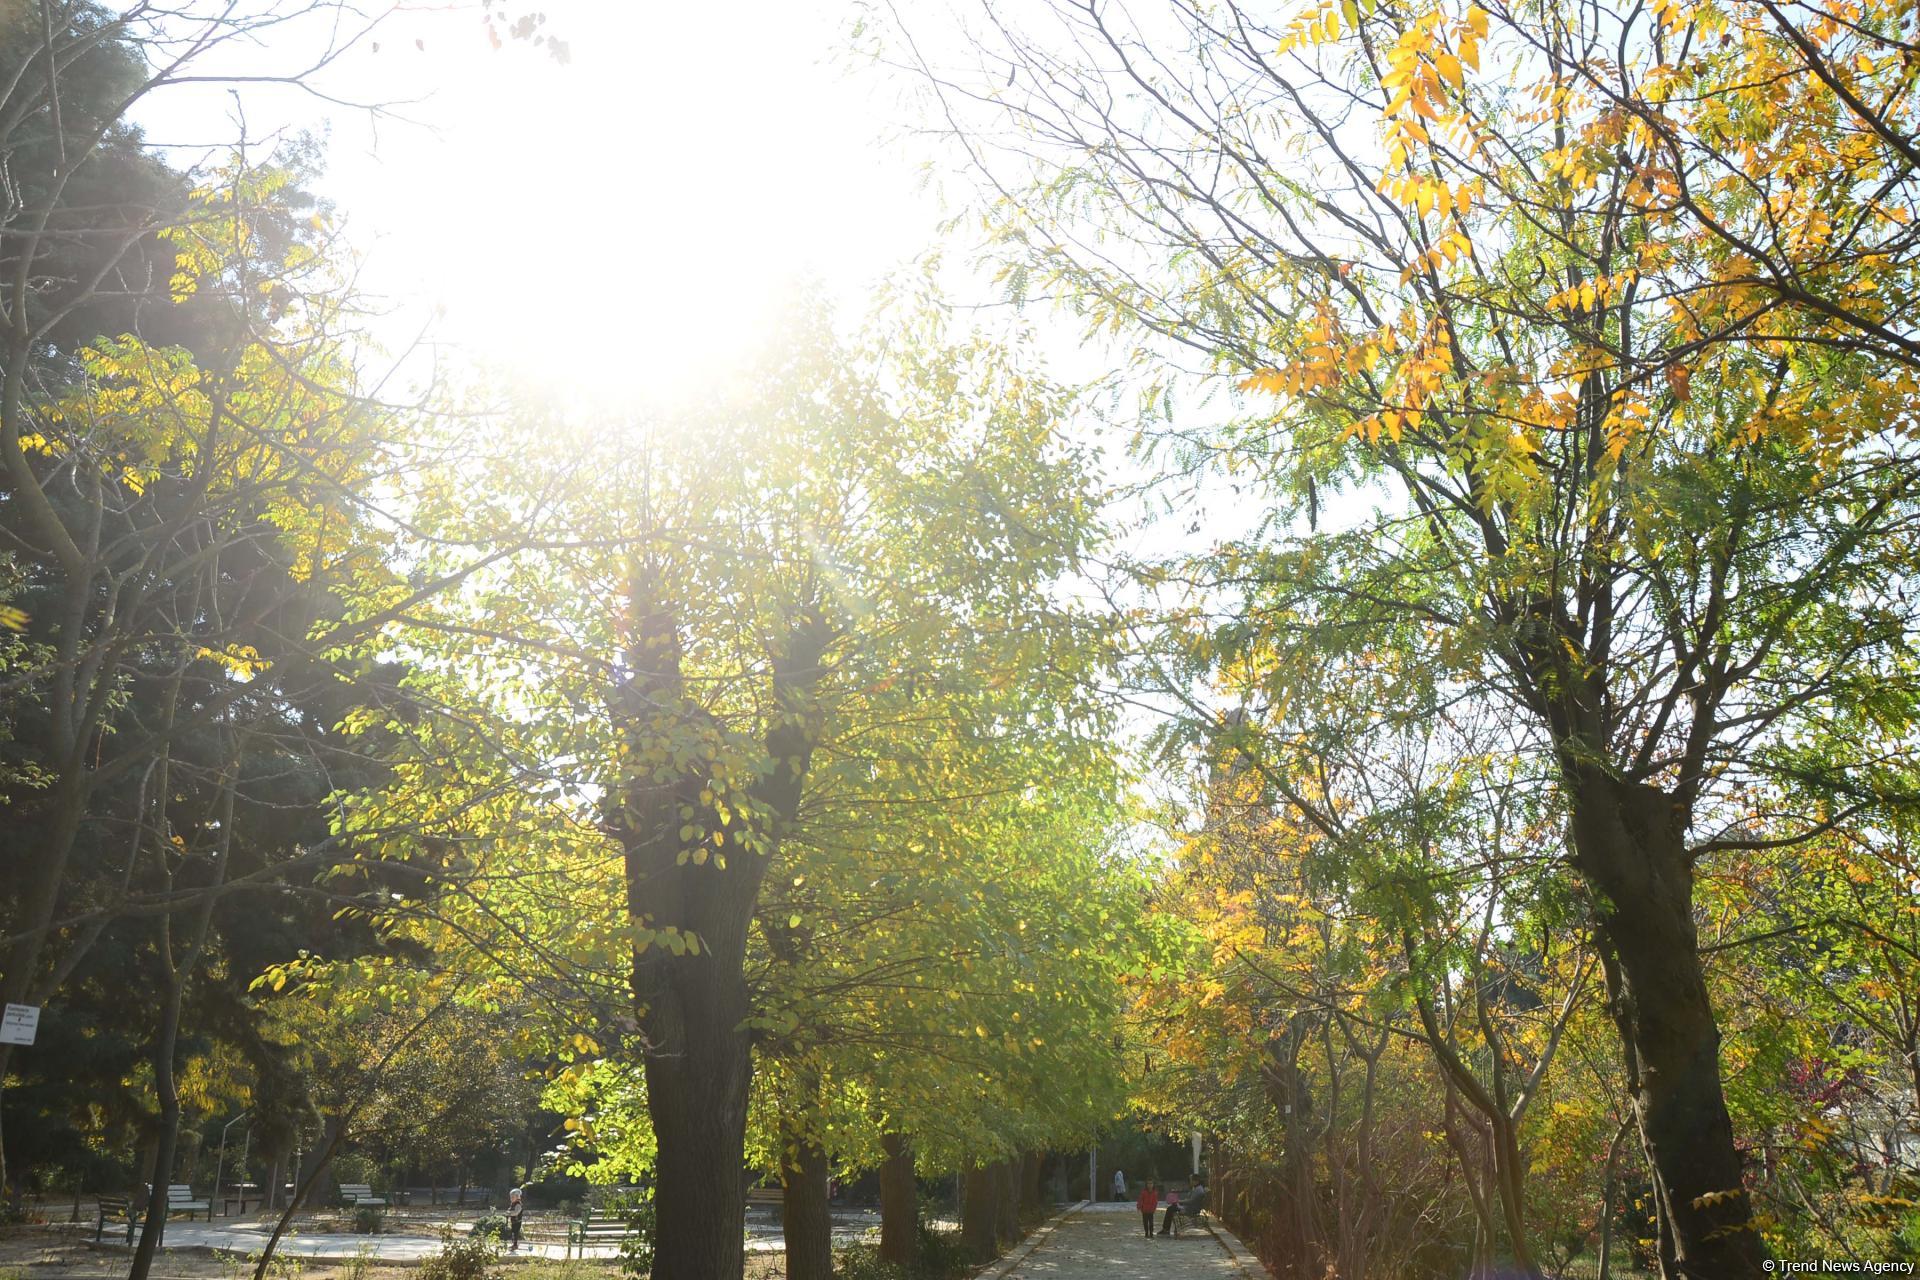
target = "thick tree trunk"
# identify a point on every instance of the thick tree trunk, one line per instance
(691, 881)
(805, 1220)
(1032, 1196)
(979, 1234)
(1629, 843)
(899, 1204)
(1006, 1202)
(697, 1098)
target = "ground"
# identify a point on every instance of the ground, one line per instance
(1106, 1243)
(1096, 1243)
(61, 1253)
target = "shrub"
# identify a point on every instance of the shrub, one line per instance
(942, 1255)
(862, 1262)
(491, 1226)
(635, 1208)
(359, 1266)
(368, 1219)
(469, 1257)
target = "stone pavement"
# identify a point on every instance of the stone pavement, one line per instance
(1104, 1242)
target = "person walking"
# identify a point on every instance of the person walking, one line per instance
(1119, 1185)
(1173, 1207)
(1149, 1201)
(516, 1209)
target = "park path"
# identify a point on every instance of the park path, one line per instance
(1102, 1242)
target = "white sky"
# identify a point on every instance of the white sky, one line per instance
(624, 224)
(625, 217)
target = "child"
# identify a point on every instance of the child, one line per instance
(1149, 1201)
(516, 1207)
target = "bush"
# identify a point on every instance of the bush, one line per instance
(491, 1226)
(635, 1208)
(862, 1262)
(368, 1219)
(942, 1256)
(470, 1257)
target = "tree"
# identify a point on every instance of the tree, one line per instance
(722, 613)
(180, 438)
(1618, 352)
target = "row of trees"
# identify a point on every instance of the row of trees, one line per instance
(735, 775)
(1566, 677)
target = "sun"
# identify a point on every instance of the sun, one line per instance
(627, 224)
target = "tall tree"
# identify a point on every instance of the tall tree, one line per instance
(1614, 334)
(725, 605)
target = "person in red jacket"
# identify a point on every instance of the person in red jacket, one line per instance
(1149, 1201)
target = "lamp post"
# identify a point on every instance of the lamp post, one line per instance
(219, 1165)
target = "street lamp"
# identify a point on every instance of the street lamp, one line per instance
(219, 1164)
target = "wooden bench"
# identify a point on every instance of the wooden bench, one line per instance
(180, 1200)
(358, 1195)
(774, 1198)
(116, 1208)
(595, 1229)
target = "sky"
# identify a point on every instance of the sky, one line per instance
(632, 214)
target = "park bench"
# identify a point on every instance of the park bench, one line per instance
(774, 1198)
(180, 1200)
(358, 1195)
(114, 1208)
(239, 1193)
(595, 1229)
(1190, 1217)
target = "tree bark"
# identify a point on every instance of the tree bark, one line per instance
(806, 1221)
(688, 881)
(899, 1204)
(1006, 1202)
(1032, 1167)
(1607, 1193)
(161, 1171)
(1629, 842)
(979, 1234)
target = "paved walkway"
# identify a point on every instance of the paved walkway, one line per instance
(247, 1238)
(1105, 1242)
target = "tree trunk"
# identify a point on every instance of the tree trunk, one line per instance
(1608, 1190)
(804, 1217)
(1509, 1172)
(691, 881)
(1629, 843)
(1006, 1202)
(1032, 1196)
(39, 897)
(697, 1098)
(978, 1232)
(166, 1088)
(899, 1204)
(324, 1187)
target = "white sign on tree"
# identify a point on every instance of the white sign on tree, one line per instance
(19, 1024)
